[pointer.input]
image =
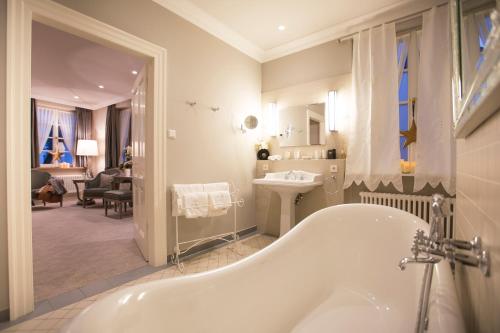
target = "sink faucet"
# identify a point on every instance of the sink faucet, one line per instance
(289, 174)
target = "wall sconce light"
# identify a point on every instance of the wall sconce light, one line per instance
(332, 97)
(272, 119)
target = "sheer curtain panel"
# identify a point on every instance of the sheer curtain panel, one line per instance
(373, 155)
(435, 146)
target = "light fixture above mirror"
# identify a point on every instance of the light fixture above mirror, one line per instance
(332, 99)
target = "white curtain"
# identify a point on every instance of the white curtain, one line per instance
(45, 119)
(67, 124)
(435, 147)
(373, 155)
(124, 130)
(403, 44)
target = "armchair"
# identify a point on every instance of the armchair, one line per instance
(93, 188)
(40, 179)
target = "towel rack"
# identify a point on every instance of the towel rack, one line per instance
(235, 203)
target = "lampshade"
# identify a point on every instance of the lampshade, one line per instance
(86, 148)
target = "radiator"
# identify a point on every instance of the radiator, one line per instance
(418, 205)
(68, 182)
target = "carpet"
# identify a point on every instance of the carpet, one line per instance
(73, 246)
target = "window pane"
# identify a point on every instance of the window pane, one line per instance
(48, 145)
(403, 88)
(45, 157)
(66, 157)
(403, 117)
(402, 149)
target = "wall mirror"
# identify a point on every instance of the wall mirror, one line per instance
(302, 125)
(475, 30)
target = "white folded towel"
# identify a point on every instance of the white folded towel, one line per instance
(219, 202)
(274, 158)
(212, 187)
(195, 204)
(179, 190)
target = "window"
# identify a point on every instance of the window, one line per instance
(55, 142)
(408, 58)
(404, 116)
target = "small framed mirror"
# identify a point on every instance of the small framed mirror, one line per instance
(249, 123)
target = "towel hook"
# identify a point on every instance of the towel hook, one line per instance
(214, 108)
(191, 103)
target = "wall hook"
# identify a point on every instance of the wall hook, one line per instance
(191, 104)
(214, 108)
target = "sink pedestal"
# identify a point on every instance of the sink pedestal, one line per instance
(288, 184)
(287, 219)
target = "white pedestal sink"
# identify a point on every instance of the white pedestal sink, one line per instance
(288, 184)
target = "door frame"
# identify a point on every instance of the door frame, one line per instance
(20, 14)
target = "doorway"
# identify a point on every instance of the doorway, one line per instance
(81, 100)
(20, 16)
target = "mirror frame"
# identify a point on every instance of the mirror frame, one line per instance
(472, 107)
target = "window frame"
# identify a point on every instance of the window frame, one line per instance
(412, 72)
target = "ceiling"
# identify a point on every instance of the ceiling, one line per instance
(252, 25)
(258, 20)
(65, 66)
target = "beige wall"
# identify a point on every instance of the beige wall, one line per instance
(4, 290)
(319, 62)
(200, 67)
(478, 213)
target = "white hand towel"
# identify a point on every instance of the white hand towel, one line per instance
(219, 202)
(195, 204)
(179, 190)
(212, 187)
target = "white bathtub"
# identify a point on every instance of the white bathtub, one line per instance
(334, 272)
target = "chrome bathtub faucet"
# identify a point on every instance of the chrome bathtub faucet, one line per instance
(431, 249)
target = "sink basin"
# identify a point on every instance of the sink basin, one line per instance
(288, 184)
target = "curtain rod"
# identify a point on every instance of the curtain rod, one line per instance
(398, 20)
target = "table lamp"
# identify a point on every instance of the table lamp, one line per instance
(86, 148)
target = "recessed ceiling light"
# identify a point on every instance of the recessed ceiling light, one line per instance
(76, 97)
(135, 72)
(100, 86)
(281, 27)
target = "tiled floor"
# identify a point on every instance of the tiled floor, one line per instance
(51, 322)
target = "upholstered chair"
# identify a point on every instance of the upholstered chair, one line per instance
(96, 187)
(38, 180)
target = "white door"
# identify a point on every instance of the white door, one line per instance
(139, 161)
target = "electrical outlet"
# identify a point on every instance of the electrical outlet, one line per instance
(333, 168)
(265, 167)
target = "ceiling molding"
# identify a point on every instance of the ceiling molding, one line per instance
(205, 21)
(386, 14)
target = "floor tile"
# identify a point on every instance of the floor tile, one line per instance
(72, 303)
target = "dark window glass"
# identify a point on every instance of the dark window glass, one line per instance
(403, 88)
